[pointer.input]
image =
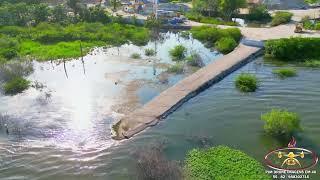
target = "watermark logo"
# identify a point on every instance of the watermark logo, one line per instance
(291, 158)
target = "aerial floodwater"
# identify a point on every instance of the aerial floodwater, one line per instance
(61, 127)
(62, 131)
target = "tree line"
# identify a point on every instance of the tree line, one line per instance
(33, 12)
(222, 8)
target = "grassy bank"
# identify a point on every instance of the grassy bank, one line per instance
(293, 49)
(53, 41)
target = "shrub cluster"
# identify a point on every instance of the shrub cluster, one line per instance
(247, 82)
(210, 35)
(149, 52)
(222, 162)
(281, 122)
(176, 68)
(195, 60)
(258, 13)
(281, 17)
(16, 85)
(135, 56)
(178, 53)
(293, 49)
(309, 24)
(226, 45)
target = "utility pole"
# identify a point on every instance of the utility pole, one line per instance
(155, 8)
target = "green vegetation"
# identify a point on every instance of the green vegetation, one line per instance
(293, 49)
(281, 122)
(258, 13)
(53, 41)
(177, 68)
(135, 56)
(222, 162)
(24, 13)
(185, 34)
(281, 17)
(178, 53)
(312, 1)
(195, 60)
(226, 45)
(246, 82)
(149, 52)
(222, 8)
(16, 85)
(312, 63)
(285, 72)
(309, 24)
(194, 16)
(211, 35)
(12, 75)
(32, 28)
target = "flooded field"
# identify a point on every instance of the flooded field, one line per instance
(222, 115)
(66, 118)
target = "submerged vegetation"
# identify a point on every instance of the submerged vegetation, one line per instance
(285, 72)
(135, 56)
(280, 122)
(149, 52)
(246, 82)
(223, 39)
(12, 76)
(16, 85)
(178, 53)
(176, 68)
(222, 162)
(281, 17)
(312, 63)
(195, 60)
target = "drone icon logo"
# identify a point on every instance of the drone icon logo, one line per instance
(291, 158)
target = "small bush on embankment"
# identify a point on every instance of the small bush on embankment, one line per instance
(281, 17)
(211, 35)
(281, 122)
(226, 45)
(246, 82)
(16, 85)
(293, 49)
(178, 53)
(285, 72)
(222, 162)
